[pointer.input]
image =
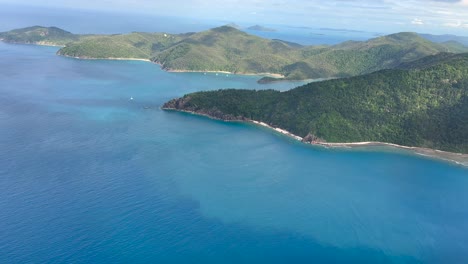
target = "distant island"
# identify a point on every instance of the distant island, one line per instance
(446, 38)
(421, 105)
(342, 30)
(261, 28)
(227, 49)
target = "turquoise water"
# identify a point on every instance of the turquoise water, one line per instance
(89, 176)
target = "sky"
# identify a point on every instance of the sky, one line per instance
(425, 16)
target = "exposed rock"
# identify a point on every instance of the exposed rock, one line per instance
(311, 138)
(267, 79)
(183, 104)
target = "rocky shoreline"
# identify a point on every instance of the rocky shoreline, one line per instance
(179, 105)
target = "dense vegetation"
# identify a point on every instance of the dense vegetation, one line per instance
(229, 49)
(39, 35)
(133, 45)
(424, 104)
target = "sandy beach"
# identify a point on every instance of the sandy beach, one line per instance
(458, 158)
(275, 75)
(110, 58)
(452, 157)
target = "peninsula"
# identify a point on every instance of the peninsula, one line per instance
(227, 49)
(422, 105)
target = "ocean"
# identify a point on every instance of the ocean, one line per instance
(80, 21)
(88, 175)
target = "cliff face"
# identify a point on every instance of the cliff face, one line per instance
(183, 104)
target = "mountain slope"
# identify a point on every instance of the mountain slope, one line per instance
(424, 105)
(133, 45)
(229, 49)
(354, 58)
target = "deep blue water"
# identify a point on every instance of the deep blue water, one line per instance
(89, 176)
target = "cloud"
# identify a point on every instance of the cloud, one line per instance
(456, 24)
(463, 2)
(443, 16)
(448, 1)
(417, 21)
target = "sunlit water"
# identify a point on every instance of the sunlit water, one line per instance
(89, 176)
(82, 21)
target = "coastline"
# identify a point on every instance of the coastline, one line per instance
(41, 43)
(268, 74)
(276, 75)
(110, 58)
(458, 158)
(264, 74)
(452, 157)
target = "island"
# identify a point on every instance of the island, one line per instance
(421, 105)
(227, 49)
(261, 28)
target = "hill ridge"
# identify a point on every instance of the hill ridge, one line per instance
(229, 49)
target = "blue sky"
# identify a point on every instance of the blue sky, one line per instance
(431, 16)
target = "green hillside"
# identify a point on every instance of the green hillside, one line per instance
(133, 45)
(229, 49)
(354, 58)
(424, 105)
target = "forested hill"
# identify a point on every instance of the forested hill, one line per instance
(39, 35)
(424, 105)
(229, 49)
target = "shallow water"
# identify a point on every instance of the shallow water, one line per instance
(89, 176)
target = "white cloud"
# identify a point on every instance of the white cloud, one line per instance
(436, 16)
(456, 24)
(417, 21)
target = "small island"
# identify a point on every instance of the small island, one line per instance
(422, 106)
(261, 28)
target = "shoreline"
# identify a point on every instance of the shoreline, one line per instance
(268, 74)
(41, 43)
(110, 58)
(264, 74)
(276, 75)
(452, 157)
